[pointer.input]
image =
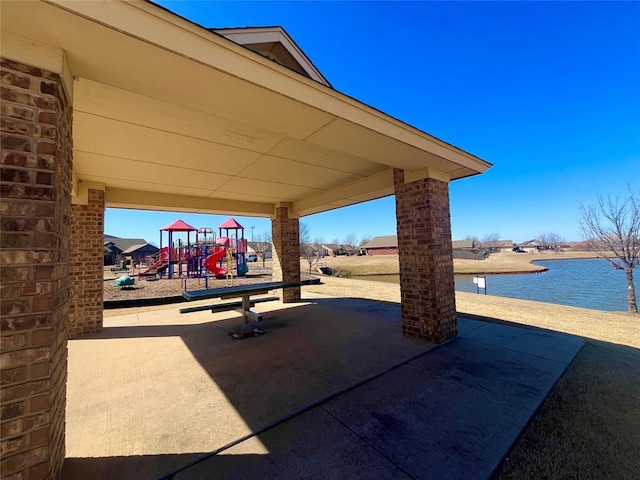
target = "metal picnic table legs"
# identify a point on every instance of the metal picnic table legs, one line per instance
(247, 316)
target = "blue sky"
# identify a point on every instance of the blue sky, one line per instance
(549, 92)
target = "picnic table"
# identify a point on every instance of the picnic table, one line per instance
(241, 291)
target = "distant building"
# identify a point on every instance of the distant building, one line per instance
(334, 249)
(388, 245)
(532, 245)
(117, 249)
(505, 245)
(384, 245)
(463, 244)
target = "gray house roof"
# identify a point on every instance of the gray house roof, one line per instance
(504, 243)
(385, 241)
(333, 246)
(532, 243)
(124, 244)
(135, 248)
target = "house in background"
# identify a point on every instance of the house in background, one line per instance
(532, 245)
(384, 245)
(118, 249)
(388, 245)
(333, 249)
(469, 249)
(464, 244)
(504, 245)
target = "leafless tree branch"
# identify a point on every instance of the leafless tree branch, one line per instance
(612, 230)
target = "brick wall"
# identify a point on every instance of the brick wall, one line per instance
(87, 259)
(34, 261)
(382, 251)
(426, 266)
(285, 234)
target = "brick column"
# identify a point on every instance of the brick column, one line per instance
(285, 234)
(426, 264)
(87, 261)
(34, 260)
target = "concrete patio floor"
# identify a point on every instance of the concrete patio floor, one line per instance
(332, 390)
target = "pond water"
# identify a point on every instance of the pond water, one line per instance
(583, 283)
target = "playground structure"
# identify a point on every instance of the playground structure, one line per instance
(222, 257)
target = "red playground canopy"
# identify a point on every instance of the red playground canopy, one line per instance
(231, 223)
(178, 226)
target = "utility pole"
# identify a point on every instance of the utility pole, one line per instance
(252, 227)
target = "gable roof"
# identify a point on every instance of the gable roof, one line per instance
(275, 44)
(531, 243)
(135, 248)
(463, 244)
(504, 243)
(385, 241)
(333, 246)
(124, 244)
(277, 137)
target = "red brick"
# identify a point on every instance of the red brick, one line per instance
(40, 370)
(11, 342)
(87, 251)
(425, 257)
(20, 67)
(47, 117)
(17, 111)
(39, 403)
(38, 438)
(13, 375)
(36, 158)
(286, 253)
(41, 336)
(16, 143)
(18, 126)
(12, 410)
(39, 472)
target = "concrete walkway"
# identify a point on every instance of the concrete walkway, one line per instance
(332, 390)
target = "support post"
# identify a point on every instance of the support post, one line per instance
(87, 266)
(36, 163)
(427, 285)
(285, 234)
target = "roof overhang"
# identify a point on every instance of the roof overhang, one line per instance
(169, 116)
(276, 44)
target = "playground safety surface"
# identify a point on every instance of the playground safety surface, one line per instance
(332, 391)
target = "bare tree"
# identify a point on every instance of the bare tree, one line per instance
(491, 241)
(263, 246)
(304, 234)
(612, 230)
(365, 239)
(553, 241)
(310, 251)
(350, 242)
(475, 240)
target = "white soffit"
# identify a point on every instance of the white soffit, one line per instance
(170, 116)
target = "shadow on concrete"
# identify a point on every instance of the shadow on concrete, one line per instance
(334, 390)
(119, 467)
(309, 354)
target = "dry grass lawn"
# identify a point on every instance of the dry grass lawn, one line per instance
(503, 262)
(588, 427)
